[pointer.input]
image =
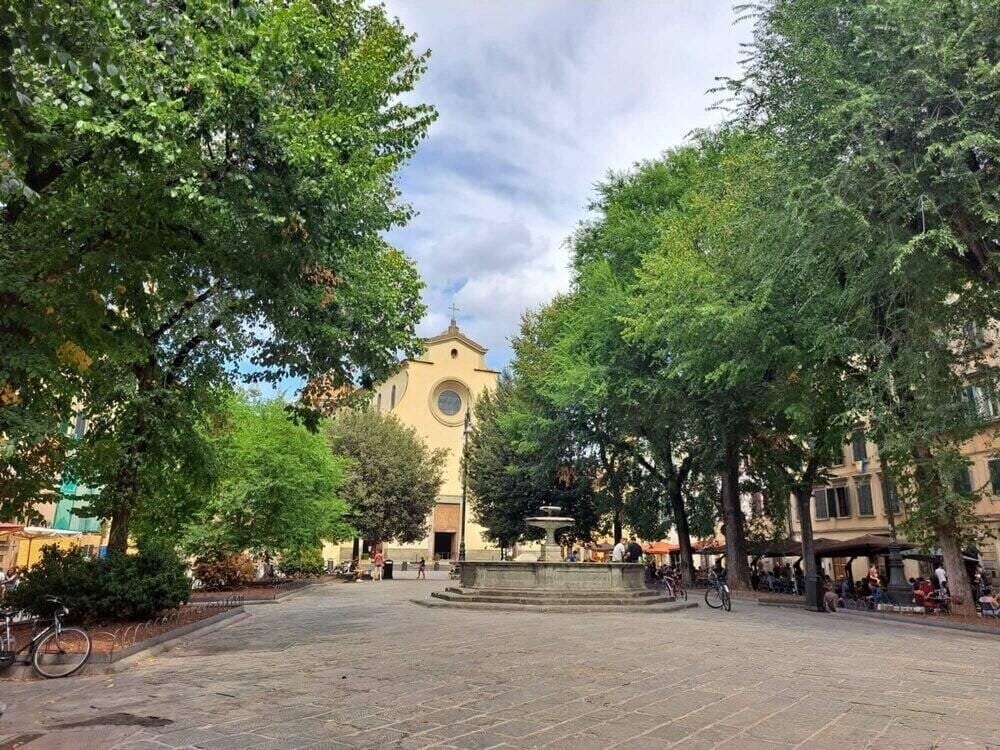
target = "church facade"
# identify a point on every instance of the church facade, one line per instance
(433, 394)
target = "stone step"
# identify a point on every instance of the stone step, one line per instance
(438, 603)
(555, 601)
(541, 594)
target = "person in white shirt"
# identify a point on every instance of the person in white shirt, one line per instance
(618, 553)
(942, 576)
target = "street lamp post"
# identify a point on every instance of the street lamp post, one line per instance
(900, 591)
(466, 429)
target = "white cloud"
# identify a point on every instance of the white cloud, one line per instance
(537, 101)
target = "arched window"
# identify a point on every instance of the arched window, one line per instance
(392, 398)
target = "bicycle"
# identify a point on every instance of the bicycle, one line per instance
(673, 583)
(56, 651)
(718, 593)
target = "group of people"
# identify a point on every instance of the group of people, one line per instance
(631, 552)
(9, 580)
(785, 578)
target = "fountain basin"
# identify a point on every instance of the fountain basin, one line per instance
(555, 577)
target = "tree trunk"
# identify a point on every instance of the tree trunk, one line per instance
(683, 534)
(736, 545)
(813, 600)
(959, 586)
(617, 525)
(118, 536)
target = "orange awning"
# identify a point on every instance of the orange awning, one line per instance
(661, 548)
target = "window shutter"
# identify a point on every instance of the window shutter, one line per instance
(859, 447)
(843, 503)
(995, 476)
(865, 507)
(889, 499)
(819, 501)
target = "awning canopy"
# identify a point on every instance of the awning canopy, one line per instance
(661, 548)
(860, 546)
(44, 532)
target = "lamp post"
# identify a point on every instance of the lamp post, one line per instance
(900, 591)
(466, 429)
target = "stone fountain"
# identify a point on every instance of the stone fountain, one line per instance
(551, 549)
(549, 584)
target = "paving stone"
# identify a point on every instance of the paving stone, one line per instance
(358, 666)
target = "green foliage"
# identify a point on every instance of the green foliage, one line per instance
(118, 587)
(393, 479)
(894, 115)
(278, 489)
(184, 187)
(219, 570)
(302, 561)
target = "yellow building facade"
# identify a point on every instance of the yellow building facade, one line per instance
(857, 497)
(433, 394)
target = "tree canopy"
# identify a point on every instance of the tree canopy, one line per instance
(192, 195)
(393, 479)
(279, 486)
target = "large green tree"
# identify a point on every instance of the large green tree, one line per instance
(393, 478)
(894, 111)
(887, 121)
(278, 486)
(191, 192)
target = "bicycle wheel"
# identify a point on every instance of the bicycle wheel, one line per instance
(682, 593)
(60, 654)
(713, 598)
(727, 600)
(668, 589)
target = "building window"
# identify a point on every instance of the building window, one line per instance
(449, 403)
(865, 505)
(378, 403)
(832, 502)
(859, 447)
(889, 498)
(454, 353)
(995, 475)
(819, 501)
(80, 427)
(962, 483)
(392, 398)
(982, 401)
(974, 334)
(838, 460)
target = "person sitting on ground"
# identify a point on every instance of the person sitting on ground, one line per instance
(988, 602)
(829, 597)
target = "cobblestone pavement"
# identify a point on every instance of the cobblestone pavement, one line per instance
(359, 666)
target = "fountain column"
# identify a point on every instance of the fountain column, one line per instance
(551, 550)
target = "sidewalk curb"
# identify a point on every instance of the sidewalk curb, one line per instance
(126, 658)
(276, 600)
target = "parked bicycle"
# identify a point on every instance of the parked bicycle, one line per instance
(718, 594)
(673, 583)
(56, 650)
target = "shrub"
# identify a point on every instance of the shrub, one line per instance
(117, 587)
(222, 570)
(302, 561)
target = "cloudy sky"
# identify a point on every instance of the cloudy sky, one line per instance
(537, 100)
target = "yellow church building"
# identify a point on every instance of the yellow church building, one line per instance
(433, 394)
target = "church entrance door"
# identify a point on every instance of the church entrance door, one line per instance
(444, 542)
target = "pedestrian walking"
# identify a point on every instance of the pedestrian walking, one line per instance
(379, 559)
(422, 569)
